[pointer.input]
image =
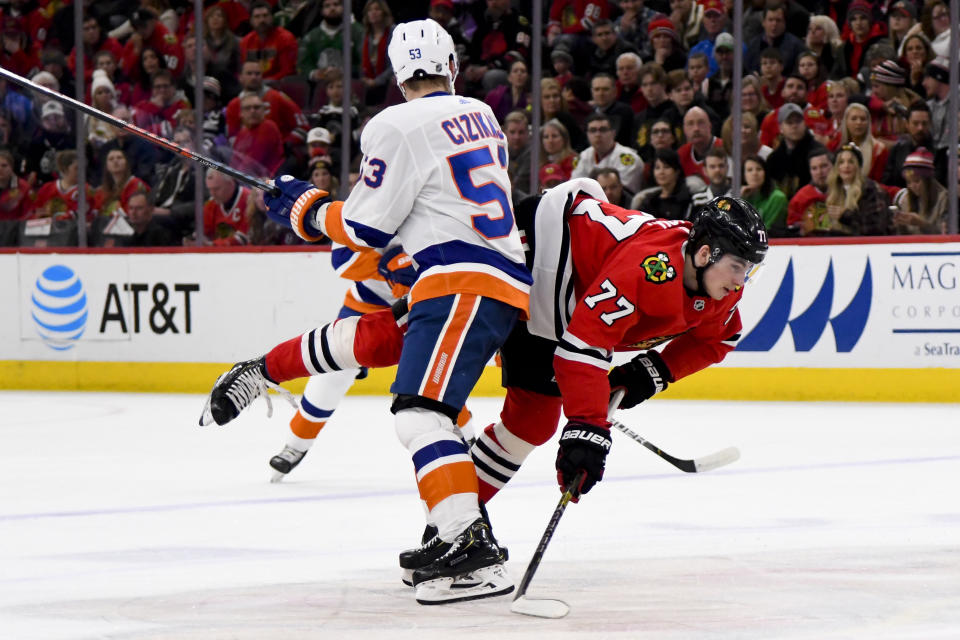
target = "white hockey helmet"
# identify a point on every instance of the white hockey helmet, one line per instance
(422, 48)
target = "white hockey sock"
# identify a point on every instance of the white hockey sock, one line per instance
(498, 454)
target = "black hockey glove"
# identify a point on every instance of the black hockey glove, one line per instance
(583, 448)
(640, 378)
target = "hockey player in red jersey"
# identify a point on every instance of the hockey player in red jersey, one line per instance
(605, 279)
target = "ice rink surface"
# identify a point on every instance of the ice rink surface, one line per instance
(120, 518)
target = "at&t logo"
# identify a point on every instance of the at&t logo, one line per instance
(59, 307)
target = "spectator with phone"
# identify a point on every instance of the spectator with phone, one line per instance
(920, 207)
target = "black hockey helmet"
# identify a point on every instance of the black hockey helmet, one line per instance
(729, 225)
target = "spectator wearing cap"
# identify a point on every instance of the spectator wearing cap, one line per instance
(609, 180)
(258, 146)
(823, 39)
(442, 11)
(516, 128)
(666, 49)
(214, 119)
(863, 32)
(921, 206)
(551, 175)
(103, 97)
(606, 46)
(917, 135)
(720, 84)
(273, 47)
(671, 198)
(94, 40)
(787, 164)
(653, 85)
(281, 110)
(632, 23)
(603, 91)
(936, 81)
(715, 23)
(856, 206)
(49, 81)
(149, 32)
(901, 16)
(318, 142)
(794, 91)
(502, 36)
(775, 35)
(562, 63)
(888, 81)
(53, 135)
(605, 151)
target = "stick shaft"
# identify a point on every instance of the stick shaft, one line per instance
(137, 131)
(545, 539)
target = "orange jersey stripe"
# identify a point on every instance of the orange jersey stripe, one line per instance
(363, 266)
(303, 428)
(470, 282)
(350, 302)
(446, 353)
(447, 480)
(333, 225)
(464, 416)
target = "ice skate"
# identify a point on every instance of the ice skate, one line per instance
(471, 569)
(431, 547)
(285, 462)
(236, 389)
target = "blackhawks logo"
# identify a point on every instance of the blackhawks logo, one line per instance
(626, 159)
(658, 268)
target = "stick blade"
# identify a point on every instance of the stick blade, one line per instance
(540, 607)
(718, 459)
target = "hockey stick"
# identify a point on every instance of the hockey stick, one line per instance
(146, 135)
(544, 607)
(696, 465)
(551, 607)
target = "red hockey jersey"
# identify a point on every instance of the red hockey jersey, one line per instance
(626, 272)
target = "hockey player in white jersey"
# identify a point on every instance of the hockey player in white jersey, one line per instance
(434, 176)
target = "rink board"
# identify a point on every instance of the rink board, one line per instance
(850, 320)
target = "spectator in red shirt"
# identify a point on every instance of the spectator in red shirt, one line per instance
(377, 26)
(159, 113)
(15, 200)
(771, 74)
(59, 198)
(697, 131)
(148, 32)
(15, 54)
(258, 147)
(807, 211)
(273, 47)
(94, 40)
(282, 111)
(226, 215)
(113, 196)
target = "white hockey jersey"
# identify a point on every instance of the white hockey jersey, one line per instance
(434, 174)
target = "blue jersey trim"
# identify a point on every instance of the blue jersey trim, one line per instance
(367, 295)
(340, 256)
(313, 410)
(372, 237)
(457, 251)
(437, 450)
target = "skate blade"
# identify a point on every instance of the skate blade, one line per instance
(206, 418)
(483, 583)
(277, 476)
(407, 577)
(540, 607)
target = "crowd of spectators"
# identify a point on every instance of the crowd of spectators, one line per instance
(844, 108)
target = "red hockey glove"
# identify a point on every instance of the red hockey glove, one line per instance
(294, 205)
(583, 448)
(641, 378)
